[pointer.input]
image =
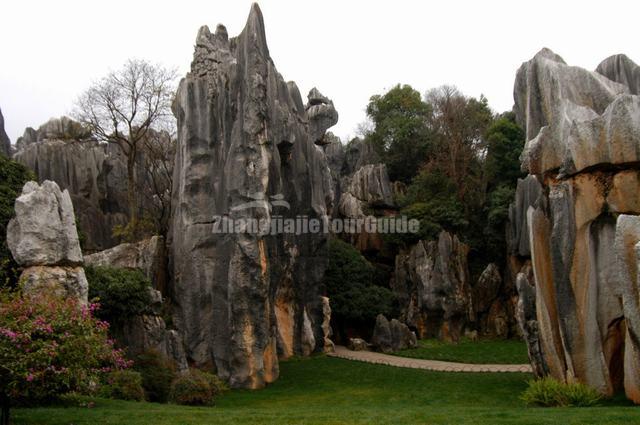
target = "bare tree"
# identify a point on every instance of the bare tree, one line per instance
(123, 107)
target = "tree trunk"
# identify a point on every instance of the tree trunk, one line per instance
(131, 189)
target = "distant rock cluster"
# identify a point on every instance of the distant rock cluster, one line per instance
(574, 226)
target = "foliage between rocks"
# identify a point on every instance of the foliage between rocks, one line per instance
(350, 284)
(548, 392)
(122, 293)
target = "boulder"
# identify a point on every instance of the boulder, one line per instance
(381, 339)
(61, 281)
(43, 232)
(358, 344)
(246, 152)
(63, 128)
(401, 336)
(432, 285)
(5, 143)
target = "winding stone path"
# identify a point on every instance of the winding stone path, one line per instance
(435, 365)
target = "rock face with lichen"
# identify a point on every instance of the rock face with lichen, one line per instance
(43, 239)
(247, 149)
(583, 146)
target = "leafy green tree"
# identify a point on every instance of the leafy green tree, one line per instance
(13, 176)
(400, 133)
(350, 284)
(505, 143)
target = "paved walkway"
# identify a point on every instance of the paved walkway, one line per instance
(435, 365)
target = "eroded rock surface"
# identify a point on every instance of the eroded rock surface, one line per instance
(43, 232)
(432, 286)
(583, 144)
(246, 150)
(43, 239)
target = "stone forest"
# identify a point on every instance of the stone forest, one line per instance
(470, 267)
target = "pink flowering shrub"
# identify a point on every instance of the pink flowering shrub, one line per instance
(50, 346)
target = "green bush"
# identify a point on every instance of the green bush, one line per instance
(157, 373)
(121, 293)
(350, 284)
(548, 392)
(217, 385)
(12, 177)
(124, 385)
(192, 389)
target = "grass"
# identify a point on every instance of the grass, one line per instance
(324, 390)
(510, 351)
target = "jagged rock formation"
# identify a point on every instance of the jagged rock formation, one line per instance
(5, 143)
(94, 173)
(583, 145)
(621, 69)
(389, 336)
(432, 285)
(244, 139)
(43, 238)
(322, 115)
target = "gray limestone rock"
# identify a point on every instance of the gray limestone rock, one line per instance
(43, 232)
(432, 286)
(381, 339)
(621, 69)
(5, 143)
(147, 255)
(322, 115)
(527, 193)
(245, 151)
(583, 143)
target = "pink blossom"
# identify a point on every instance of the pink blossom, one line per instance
(30, 377)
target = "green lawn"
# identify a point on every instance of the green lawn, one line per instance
(510, 351)
(324, 390)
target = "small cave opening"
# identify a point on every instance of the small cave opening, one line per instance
(284, 149)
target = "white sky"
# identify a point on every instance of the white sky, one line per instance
(350, 50)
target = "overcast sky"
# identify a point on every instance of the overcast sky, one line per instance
(350, 50)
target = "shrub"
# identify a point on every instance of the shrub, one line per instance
(122, 293)
(157, 373)
(217, 385)
(192, 389)
(124, 385)
(350, 285)
(12, 177)
(50, 346)
(197, 388)
(548, 392)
